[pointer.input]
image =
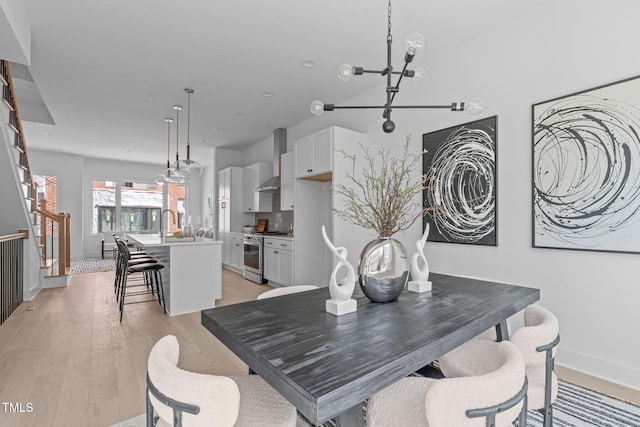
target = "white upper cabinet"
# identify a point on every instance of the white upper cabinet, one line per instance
(224, 183)
(314, 155)
(287, 181)
(252, 177)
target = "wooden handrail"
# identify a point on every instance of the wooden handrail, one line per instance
(16, 111)
(64, 235)
(21, 235)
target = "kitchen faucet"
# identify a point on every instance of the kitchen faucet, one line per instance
(161, 225)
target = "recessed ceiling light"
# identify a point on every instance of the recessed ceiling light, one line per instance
(308, 63)
(241, 115)
(267, 94)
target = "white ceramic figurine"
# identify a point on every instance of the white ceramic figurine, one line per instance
(340, 291)
(420, 267)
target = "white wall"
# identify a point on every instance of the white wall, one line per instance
(69, 170)
(575, 46)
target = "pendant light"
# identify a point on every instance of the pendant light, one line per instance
(188, 168)
(169, 176)
(414, 43)
(193, 167)
(178, 166)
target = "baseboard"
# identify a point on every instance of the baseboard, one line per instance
(625, 376)
(598, 384)
(56, 281)
(30, 294)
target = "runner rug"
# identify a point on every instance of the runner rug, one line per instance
(92, 265)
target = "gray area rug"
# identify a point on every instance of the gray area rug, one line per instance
(92, 265)
(575, 407)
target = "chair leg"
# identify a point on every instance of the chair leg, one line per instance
(547, 410)
(149, 411)
(522, 420)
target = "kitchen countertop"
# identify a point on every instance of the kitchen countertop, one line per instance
(154, 240)
(281, 237)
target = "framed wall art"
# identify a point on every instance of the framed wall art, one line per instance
(460, 194)
(586, 169)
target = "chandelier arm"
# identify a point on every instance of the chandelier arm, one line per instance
(343, 107)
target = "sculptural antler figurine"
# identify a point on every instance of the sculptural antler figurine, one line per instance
(340, 290)
(420, 273)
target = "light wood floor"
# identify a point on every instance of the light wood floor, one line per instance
(67, 353)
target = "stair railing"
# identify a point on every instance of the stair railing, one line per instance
(12, 272)
(15, 123)
(60, 222)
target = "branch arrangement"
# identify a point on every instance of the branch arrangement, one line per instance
(383, 197)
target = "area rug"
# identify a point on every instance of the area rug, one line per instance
(575, 406)
(92, 265)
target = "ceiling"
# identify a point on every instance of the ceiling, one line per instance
(107, 73)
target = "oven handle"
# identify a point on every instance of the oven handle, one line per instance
(251, 243)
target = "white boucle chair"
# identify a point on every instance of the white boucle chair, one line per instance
(286, 290)
(537, 342)
(496, 398)
(187, 398)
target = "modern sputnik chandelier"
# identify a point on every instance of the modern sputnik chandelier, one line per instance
(413, 44)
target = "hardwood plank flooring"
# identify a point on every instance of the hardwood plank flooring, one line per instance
(67, 353)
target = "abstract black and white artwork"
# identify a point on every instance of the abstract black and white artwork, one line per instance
(586, 170)
(460, 194)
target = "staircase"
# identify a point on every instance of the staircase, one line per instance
(50, 230)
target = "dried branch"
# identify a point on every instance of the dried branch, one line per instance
(383, 197)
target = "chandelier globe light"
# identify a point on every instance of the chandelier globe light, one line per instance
(168, 175)
(413, 44)
(189, 167)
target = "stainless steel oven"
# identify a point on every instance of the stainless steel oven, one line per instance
(253, 257)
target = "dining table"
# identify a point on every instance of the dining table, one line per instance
(327, 365)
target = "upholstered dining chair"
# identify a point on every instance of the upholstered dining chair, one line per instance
(537, 341)
(186, 398)
(286, 290)
(495, 398)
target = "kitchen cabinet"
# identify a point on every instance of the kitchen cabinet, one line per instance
(287, 180)
(314, 156)
(231, 217)
(252, 177)
(237, 251)
(224, 183)
(313, 201)
(278, 260)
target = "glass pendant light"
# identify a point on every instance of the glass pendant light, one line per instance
(192, 168)
(168, 175)
(178, 167)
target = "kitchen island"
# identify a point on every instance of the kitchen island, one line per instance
(192, 277)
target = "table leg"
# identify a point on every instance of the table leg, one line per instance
(352, 417)
(502, 331)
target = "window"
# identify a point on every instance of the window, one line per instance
(46, 189)
(134, 206)
(104, 206)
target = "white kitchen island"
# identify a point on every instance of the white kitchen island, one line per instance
(192, 277)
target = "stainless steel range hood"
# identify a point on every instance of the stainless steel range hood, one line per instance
(272, 185)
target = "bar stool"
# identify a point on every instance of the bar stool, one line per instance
(150, 278)
(133, 259)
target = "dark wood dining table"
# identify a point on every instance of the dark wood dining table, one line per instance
(327, 365)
